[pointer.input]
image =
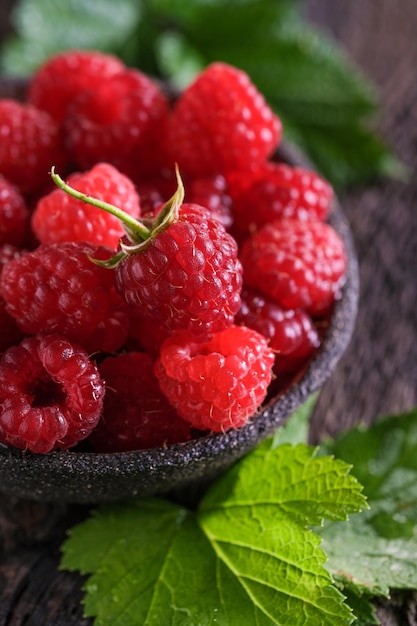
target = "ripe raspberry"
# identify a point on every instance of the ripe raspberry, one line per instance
(60, 217)
(14, 215)
(180, 268)
(301, 265)
(56, 288)
(136, 414)
(65, 75)
(212, 193)
(10, 334)
(219, 384)
(222, 123)
(121, 121)
(51, 394)
(30, 145)
(188, 277)
(291, 334)
(282, 191)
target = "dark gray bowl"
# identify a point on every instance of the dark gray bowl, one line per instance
(85, 477)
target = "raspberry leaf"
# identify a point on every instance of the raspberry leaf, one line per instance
(375, 552)
(246, 553)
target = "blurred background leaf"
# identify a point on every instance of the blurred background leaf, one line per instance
(327, 106)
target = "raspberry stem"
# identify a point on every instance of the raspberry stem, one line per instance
(134, 227)
(138, 233)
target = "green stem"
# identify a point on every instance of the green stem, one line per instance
(133, 225)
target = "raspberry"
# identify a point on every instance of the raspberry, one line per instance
(300, 264)
(222, 123)
(30, 145)
(136, 414)
(65, 75)
(291, 334)
(14, 215)
(188, 277)
(51, 394)
(56, 288)
(212, 193)
(60, 217)
(219, 384)
(282, 191)
(180, 268)
(121, 121)
(10, 334)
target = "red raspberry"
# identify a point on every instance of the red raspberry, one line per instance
(136, 414)
(300, 264)
(222, 123)
(291, 334)
(121, 121)
(146, 333)
(51, 394)
(219, 384)
(60, 217)
(14, 215)
(65, 75)
(10, 334)
(30, 145)
(56, 288)
(188, 276)
(282, 191)
(212, 193)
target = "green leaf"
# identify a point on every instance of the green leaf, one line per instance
(245, 556)
(46, 27)
(376, 551)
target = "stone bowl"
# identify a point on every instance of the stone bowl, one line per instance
(89, 477)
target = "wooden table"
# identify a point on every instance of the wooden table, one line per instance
(377, 375)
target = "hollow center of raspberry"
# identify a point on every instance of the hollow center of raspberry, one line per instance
(46, 392)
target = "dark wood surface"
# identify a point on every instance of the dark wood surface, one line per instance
(377, 375)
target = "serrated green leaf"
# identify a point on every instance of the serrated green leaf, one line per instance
(245, 556)
(293, 479)
(376, 551)
(45, 27)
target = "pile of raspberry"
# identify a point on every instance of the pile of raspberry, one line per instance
(171, 276)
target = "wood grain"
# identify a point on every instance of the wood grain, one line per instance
(377, 375)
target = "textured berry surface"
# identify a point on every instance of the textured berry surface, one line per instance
(290, 334)
(189, 276)
(288, 331)
(212, 193)
(299, 264)
(136, 414)
(33, 145)
(60, 217)
(14, 215)
(219, 384)
(121, 121)
(282, 191)
(221, 122)
(65, 75)
(51, 394)
(57, 288)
